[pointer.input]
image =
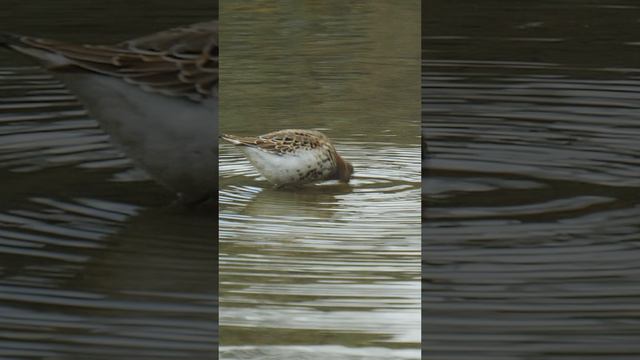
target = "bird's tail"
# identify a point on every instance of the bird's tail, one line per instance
(39, 49)
(236, 140)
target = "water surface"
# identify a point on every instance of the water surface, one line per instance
(330, 271)
(93, 262)
(530, 233)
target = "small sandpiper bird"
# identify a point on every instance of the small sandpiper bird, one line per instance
(156, 96)
(294, 157)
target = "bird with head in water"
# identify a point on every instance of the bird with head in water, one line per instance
(294, 157)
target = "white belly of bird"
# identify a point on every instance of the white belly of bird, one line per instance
(173, 139)
(296, 168)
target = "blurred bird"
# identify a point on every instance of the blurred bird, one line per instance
(156, 96)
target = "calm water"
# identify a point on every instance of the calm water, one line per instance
(93, 264)
(531, 191)
(331, 271)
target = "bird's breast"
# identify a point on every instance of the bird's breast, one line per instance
(297, 167)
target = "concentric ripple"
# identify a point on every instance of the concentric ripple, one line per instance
(332, 260)
(531, 207)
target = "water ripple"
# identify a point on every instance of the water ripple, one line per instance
(530, 233)
(322, 259)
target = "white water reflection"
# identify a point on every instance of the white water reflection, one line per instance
(328, 259)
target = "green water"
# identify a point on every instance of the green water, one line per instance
(327, 271)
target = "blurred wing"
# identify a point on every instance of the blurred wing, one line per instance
(177, 62)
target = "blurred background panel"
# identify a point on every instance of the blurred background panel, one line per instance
(93, 265)
(531, 188)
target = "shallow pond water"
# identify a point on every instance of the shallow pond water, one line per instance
(329, 271)
(531, 189)
(93, 262)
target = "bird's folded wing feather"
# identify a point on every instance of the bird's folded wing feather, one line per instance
(177, 62)
(280, 142)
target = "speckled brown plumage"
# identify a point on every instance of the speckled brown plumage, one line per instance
(177, 62)
(283, 141)
(156, 96)
(294, 156)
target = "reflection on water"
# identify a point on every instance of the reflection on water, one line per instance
(532, 210)
(330, 271)
(79, 279)
(93, 264)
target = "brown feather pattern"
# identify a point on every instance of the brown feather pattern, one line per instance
(178, 62)
(310, 154)
(283, 141)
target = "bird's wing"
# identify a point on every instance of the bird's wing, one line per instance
(281, 142)
(179, 62)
